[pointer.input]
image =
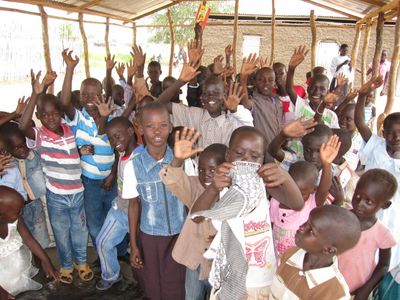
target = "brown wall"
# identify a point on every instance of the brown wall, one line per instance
(215, 39)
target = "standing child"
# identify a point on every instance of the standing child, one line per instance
(16, 269)
(154, 71)
(244, 260)
(55, 142)
(373, 192)
(309, 271)
(383, 153)
(161, 214)
(286, 221)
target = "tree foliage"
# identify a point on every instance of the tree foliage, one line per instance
(182, 13)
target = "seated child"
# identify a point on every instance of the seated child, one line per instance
(309, 271)
(244, 260)
(154, 71)
(55, 143)
(286, 221)
(373, 192)
(121, 135)
(194, 238)
(16, 269)
(212, 123)
(384, 153)
(161, 214)
(33, 180)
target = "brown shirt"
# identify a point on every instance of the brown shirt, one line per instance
(194, 238)
(268, 118)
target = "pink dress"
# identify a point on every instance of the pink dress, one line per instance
(286, 222)
(358, 263)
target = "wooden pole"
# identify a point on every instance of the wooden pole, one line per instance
(367, 35)
(172, 42)
(134, 34)
(46, 45)
(392, 84)
(106, 37)
(378, 44)
(273, 33)
(313, 40)
(85, 45)
(235, 30)
(354, 51)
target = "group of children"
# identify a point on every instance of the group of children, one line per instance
(266, 193)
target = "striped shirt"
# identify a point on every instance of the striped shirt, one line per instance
(97, 166)
(60, 160)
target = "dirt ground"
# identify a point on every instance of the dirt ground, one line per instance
(79, 290)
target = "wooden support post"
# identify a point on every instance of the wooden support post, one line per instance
(106, 37)
(273, 33)
(378, 44)
(354, 51)
(172, 41)
(367, 35)
(46, 45)
(313, 40)
(235, 30)
(85, 45)
(133, 34)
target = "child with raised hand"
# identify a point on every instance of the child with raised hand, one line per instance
(373, 192)
(212, 123)
(286, 221)
(309, 271)
(154, 71)
(55, 143)
(16, 269)
(266, 108)
(244, 261)
(161, 214)
(194, 238)
(384, 153)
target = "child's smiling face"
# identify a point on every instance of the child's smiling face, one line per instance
(155, 126)
(265, 80)
(213, 98)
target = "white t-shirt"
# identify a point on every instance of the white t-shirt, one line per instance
(352, 156)
(129, 187)
(345, 69)
(303, 109)
(123, 203)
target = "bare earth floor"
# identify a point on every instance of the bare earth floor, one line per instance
(79, 290)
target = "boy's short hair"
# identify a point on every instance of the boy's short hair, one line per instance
(247, 130)
(92, 81)
(168, 79)
(318, 70)
(302, 169)
(392, 118)
(9, 129)
(45, 99)
(264, 70)
(319, 77)
(216, 150)
(152, 106)
(278, 65)
(381, 178)
(214, 80)
(342, 46)
(119, 121)
(154, 63)
(320, 131)
(345, 140)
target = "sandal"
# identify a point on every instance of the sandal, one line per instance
(84, 271)
(66, 275)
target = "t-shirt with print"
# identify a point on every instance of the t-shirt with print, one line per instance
(259, 246)
(123, 203)
(303, 109)
(60, 158)
(352, 156)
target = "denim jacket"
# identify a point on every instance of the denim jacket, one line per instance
(162, 213)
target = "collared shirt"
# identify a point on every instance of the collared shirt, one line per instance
(60, 158)
(292, 283)
(12, 179)
(99, 165)
(212, 130)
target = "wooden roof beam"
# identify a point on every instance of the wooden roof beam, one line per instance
(386, 8)
(154, 10)
(89, 4)
(335, 8)
(373, 2)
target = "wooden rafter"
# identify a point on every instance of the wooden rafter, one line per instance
(373, 2)
(335, 8)
(90, 3)
(386, 8)
(154, 10)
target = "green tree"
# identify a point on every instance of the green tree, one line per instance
(182, 13)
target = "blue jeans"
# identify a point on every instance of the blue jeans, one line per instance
(112, 233)
(68, 220)
(35, 220)
(195, 289)
(97, 204)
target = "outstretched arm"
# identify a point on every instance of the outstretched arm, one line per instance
(110, 64)
(249, 66)
(297, 58)
(66, 101)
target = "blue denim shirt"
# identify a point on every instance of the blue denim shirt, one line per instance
(162, 213)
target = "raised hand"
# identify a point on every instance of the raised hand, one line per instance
(263, 62)
(299, 128)
(37, 86)
(120, 69)
(336, 190)
(249, 65)
(189, 71)
(228, 72)
(195, 52)
(228, 50)
(103, 106)
(235, 95)
(331, 98)
(110, 62)
(341, 79)
(329, 150)
(132, 68)
(184, 142)
(371, 85)
(22, 103)
(298, 56)
(49, 78)
(198, 31)
(352, 94)
(138, 56)
(218, 67)
(5, 163)
(68, 59)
